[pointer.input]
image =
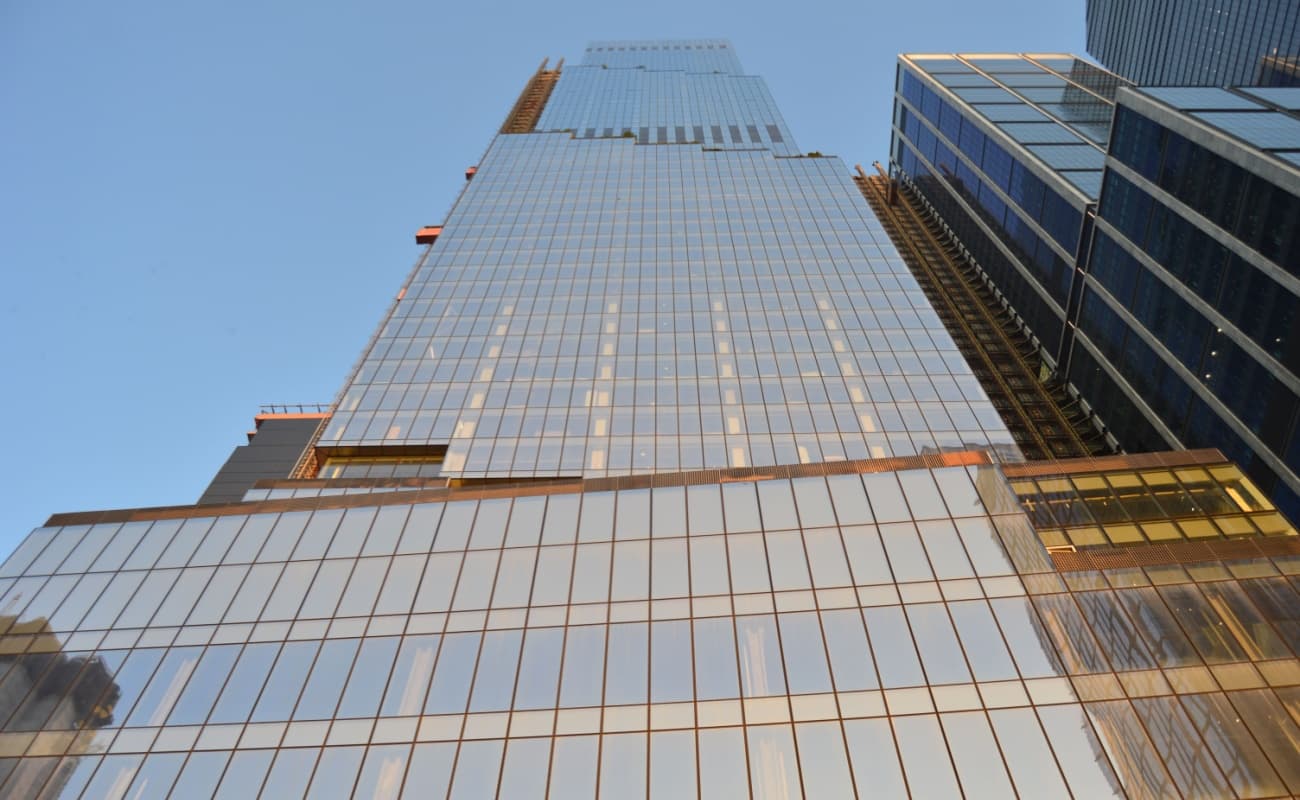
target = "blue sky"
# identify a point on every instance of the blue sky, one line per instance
(206, 207)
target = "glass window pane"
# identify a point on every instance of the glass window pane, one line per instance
(941, 655)
(477, 575)
(722, 764)
(245, 684)
(672, 765)
(573, 768)
(430, 770)
(976, 755)
(704, 509)
(786, 563)
(631, 571)
(623, 765)
(1139, 766)
(748, 563)
(525, 771)
(289, 773)
(715, 659)
(551, 584)
(1157, 627)
(822, 760)
(381, 776)
(477, 767)
(632, 520)
(244, 776)
(670, 669)
(982, 641)
(514, 578)
(1276, 732)
(400, 585)
(385, 531)
(773, 770)
(906, 556)
(437, 584)
(584, 666)
(805, 654)
(709, 565)
(201, 690)
(1185, 755)
(740, 506)
(625, 672)
(495, 681)
(328, 676)
(157, 700)
(113, 777)
(866, 555)
(286, 681)
(1026, 637)
(874, 757)
(669, 575)
(925, 756)
(760, 657)
(591, 573)
(449, 692)
(1033, 768)
(891, 641)
(490, 523)
(421, 525)
(410, 678)
(290, 591)
(366, 686)
(1073, 638)
(336, 771)
(252, 595)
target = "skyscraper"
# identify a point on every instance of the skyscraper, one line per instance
(1197, 42)
(660, 478)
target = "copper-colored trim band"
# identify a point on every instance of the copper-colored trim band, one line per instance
(1176, 553)
(1076, 466)
(559, 486)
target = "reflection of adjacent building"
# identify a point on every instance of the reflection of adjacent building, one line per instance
(49, 689)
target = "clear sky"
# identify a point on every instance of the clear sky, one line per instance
(207, 206)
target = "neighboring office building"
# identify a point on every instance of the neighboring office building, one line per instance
(696, 303)
(1009, 151)
(1218, 370)
(1197, 42)
(1194, 279)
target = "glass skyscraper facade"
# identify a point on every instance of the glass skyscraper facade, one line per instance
(1194, 277)
(1186, 226)
(660, 479)
(1009, 150)
(1197, 42)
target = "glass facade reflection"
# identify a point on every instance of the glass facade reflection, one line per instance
(881, 628)
(1197, 42)
(661, 481)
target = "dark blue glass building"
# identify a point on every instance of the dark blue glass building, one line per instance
(1168, 308)
(1197, 42)
(1009, 151)
(1193, 282)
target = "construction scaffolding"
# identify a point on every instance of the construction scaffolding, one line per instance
(528, 108)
